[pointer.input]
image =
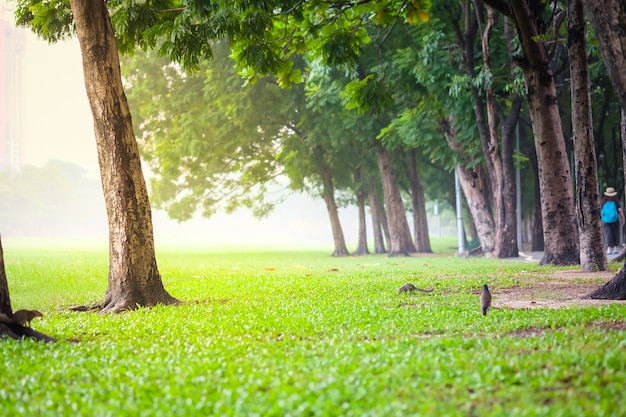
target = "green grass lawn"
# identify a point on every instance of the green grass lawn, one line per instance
(299, 333)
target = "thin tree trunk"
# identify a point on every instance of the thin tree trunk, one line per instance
(479, 209)
(474, 190)
(328, 194)
(134, 278)
(490, 143)
(418, 201)
(5, 300)
(360, 200)
(592, 256)
(400, 242)
(377, 216)
(362, 244)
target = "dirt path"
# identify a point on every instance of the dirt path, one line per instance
(562, 289)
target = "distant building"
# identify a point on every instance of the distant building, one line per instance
(12, 44)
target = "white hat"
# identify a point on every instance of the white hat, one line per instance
(610, 192)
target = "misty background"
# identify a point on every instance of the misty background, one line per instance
(57, 148)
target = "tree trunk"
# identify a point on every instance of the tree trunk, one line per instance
(508, 231)
(377, 216)
(418, 202)
(474, 190)
(479, 208)
(622, 254)
(328, 194)
(555, 182)
(134, 278)
(609, 27)
(360, 202)
(592, 256)
(400, 242)
(537, 231)
(490, 144)
(362, 244)
(5, 300)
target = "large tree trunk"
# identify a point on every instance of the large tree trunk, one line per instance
(557, 198)
(609, 25)
(592, 255)
(418, 202)
(328, 194)
(377, 212)
(508, 231)
(400, 242)
(134, 278)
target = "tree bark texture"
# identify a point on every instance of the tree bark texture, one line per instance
(592, 255)
(5, 300)
(418, 202)
(508, 231)
(328, 194)
(555, 182)
(623, 136)
(378, 220)
(608, 21)
(615, 289)
(400, 242)
(472, 184)
(361, 248)
(537, 231)
(134, 278)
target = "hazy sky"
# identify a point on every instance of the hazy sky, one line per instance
(57, 124)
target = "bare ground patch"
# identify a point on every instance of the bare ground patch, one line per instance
(562, 289)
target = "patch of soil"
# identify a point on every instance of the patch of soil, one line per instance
(562, 289)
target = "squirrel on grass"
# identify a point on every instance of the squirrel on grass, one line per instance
(21, 317)
(410, 287)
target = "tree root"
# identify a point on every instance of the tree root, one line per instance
(615, 289)
(18, 332)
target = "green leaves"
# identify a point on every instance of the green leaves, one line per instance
(50, 20)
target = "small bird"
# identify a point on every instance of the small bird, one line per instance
(485, 300)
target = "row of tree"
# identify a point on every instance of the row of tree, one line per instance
(351, 37)
(418, 101)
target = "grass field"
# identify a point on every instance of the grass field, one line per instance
(298, 333)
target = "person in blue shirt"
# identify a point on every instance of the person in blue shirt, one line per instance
(612, 219)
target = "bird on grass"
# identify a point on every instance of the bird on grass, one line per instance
(485, 300)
